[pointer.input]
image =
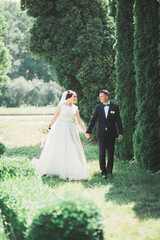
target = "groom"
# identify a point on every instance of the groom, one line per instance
(109, 120)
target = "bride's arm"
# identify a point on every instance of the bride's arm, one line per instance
(56, 114)
(78, 120)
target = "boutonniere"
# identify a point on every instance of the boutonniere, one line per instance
(112, 112)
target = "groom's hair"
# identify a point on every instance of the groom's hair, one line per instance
(69, 94)
(105, 92)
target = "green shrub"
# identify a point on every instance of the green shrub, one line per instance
(34, 212)
(2, 148)
(20, 200)
(72, 218)
(2, 229)
(15, 168)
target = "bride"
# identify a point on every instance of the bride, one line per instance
(63, 154)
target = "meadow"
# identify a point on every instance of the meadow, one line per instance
(129, 201)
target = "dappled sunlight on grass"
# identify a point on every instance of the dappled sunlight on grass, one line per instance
(132, 184)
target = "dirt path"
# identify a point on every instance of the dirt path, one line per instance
(14, 116)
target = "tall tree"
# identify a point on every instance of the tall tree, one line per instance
(113, 6)
(159, 55)
(77, 38)
(5, 57)
(16, 38)
(146, 136)
(125, 84)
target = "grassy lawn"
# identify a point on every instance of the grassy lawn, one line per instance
(27, 110)
(130, 201)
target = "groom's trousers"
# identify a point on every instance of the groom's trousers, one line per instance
(106, 143)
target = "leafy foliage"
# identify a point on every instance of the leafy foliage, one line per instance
(113, 7)
(16, 38)
(2, 229)
(4, 53)
(69, 219)
(2, 148)
(125, 84)
(19, 92)
(10, 168)
(76, 37)
(35, 212)
(146, 136)
(21, 198)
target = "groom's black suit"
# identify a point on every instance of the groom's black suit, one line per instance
(106, 133)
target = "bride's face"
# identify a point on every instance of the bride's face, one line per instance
(74, 97)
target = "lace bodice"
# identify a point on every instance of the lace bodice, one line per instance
(67, 112)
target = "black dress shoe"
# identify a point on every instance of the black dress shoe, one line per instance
(104, 176)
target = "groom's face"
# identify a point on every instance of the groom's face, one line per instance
(103, 98)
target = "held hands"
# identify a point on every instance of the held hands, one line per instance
(88, 135)
(120, 137)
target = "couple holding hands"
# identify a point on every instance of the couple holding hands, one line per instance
(63, 154)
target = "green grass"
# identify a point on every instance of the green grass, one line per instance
(130, 201)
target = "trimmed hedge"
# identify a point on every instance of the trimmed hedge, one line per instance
(72, 218)
(32, 211)
(20, 200)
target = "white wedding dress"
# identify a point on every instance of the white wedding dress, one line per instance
(63, 154)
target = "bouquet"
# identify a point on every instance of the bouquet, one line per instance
(44, 132)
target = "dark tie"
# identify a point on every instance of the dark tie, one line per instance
(106, 104)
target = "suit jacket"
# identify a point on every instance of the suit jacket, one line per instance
(112, 122)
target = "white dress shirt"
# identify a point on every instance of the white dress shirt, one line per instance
(106, 109)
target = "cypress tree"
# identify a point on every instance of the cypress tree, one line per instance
(146, 136)
(76, 37)
(159, 55)
(112, 6)
(125, 83)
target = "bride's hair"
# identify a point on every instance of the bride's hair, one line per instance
(69, 94)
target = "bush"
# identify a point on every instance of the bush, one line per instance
(2, 229)
(19, 92)
(2, 148)
(72, 218)
(34, 212)
(10, 168)
(20, 200)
